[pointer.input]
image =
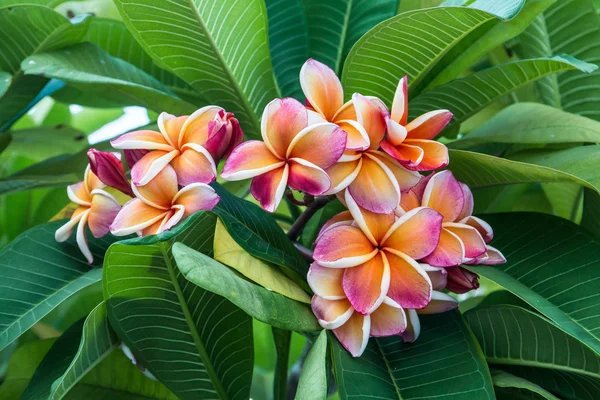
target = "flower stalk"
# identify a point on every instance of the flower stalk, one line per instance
(311, 209)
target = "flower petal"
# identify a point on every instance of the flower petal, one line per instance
(389, 319)
(321, 144)
(375, 177)
(134, 217)
(343, 218)
(371, 117)
(406, 178)
(326, 282)
(428, 125)
(103, 211)
(91, 181)
(357, 137)
(400, 102)
(156, 227)
(495, 257)
(170, 127)
(435, 154)
(150, 165)
(322, 88)
(440, 302)
(159, 192)
(449, 252)
(415, 234)
(470, 237)
(461, 280)
(483, 227)
(343, 174)
(132, 156)
(413, 327)
(331, 313)
(269, 187)
(409, 201)
(195, 127)
(396, 133)
(345, 112)
(409, 156)
(438, 276)
(281, 121)
(307, 177)
(144, 140)
(343, 246)
(366, 285)
(250, 159)
(81, 237)
(196, 197)
(354, 334)
(444, 194)
(468, 204)
(78, 194)
(64, 232)
(410, 286)
(373, 225)
(194, 165)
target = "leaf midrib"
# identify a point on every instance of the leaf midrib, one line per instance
(389, 369)
(538, 364)
(164, 248)
(225, 68)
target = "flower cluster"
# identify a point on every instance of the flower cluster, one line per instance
(170, 173)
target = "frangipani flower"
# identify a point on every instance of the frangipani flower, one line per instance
(160, 205)
(412, 143)
(97, 209)
(109, 169)
(292, 153)
(464, 237)
(374, 254)
(461, 280)
(188, 144)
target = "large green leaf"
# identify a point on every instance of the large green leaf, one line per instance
(465, 96)
(21, 367)
(195, 342)
(481, 171)
(113, 37)
(260, 303)
(258, 233)
(532, 123)
(444, 363)
(5, 80)
(282, 339)
(553, 266)
(88, 68)
(420, 44)
(288, 41)
(591, 212)
(37, 274)
(514, 387)
(44, 142)
(572, 27)
(334, 26)
(230, 67)
(314, 375)
(511, 335)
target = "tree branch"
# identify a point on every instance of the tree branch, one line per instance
(311, 209)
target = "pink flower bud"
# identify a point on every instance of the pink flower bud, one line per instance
(133, 155)
(461, 280)
(224, 133)
(109, 169)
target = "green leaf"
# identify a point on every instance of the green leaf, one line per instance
(259, 234)
(228, 252)
(572, 27)
(552, 265)
(465, 96)
(511, 335)
(288, 42)
(418, 43)
(206, 341)
(314, 375)
(444, 363)
(334, 26)
(5, 80)
(282, 339)
(88, 68)
(591, 212)
(34, 282)
(5, 140)
(503, 379)
(18, 98)
(230, 67)
(482, 171)
(532, 123)
(262, 304)
(21, 367)
(46, 141)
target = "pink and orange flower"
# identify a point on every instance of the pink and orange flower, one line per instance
(411, 143)
(464, 238)
(160, 204)
(292, 153)
(190, 144)
(96, 208)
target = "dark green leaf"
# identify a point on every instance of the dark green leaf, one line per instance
(553, 266)
(5, 80)
(516, 387)
(37, 274)
(282, 339)
(21, 367)
(260, 303)
(314, 375)
(205, 341)
(444, 363)
(591, 212)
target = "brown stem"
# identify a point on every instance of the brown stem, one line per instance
(306, 253)
(311, 209)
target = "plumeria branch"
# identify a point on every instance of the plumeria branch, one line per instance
(306, 252)
(315, 205)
